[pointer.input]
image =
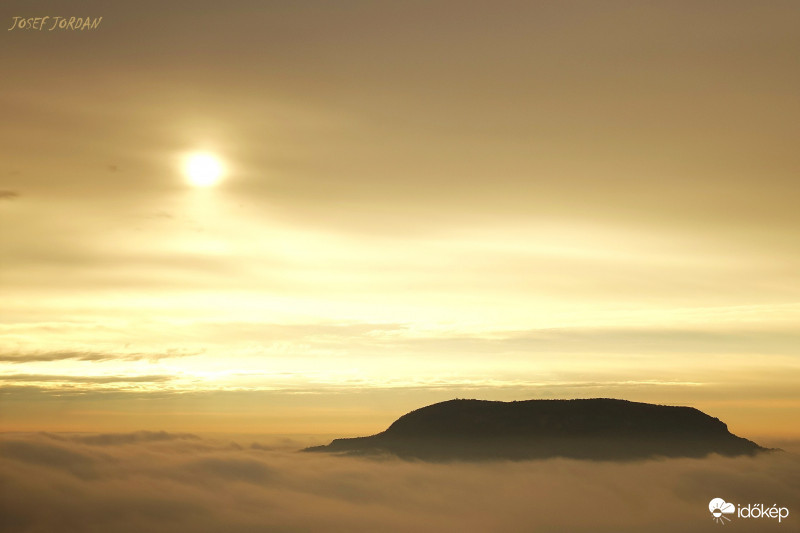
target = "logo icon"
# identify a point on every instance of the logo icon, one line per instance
(719, 508)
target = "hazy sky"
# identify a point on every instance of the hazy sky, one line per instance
(423, 200)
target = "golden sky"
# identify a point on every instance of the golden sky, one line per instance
(422, 200)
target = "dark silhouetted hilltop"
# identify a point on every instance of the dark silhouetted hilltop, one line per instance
(596, 429)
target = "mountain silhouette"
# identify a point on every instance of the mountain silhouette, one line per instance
(594, 429)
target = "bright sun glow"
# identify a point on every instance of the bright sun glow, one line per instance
(203, 169)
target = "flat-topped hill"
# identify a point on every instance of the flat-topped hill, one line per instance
(600, 429)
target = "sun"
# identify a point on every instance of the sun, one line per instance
(203, 169)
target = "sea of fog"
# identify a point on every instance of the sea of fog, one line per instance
(170, 482)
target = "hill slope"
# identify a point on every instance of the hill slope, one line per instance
(599, 429)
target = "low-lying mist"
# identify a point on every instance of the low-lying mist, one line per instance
(171, 482)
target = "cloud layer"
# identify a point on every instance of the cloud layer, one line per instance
(157, 481)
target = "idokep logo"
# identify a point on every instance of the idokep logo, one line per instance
(720, 508)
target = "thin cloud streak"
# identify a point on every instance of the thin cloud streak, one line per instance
(43, 356)
(36, 378)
